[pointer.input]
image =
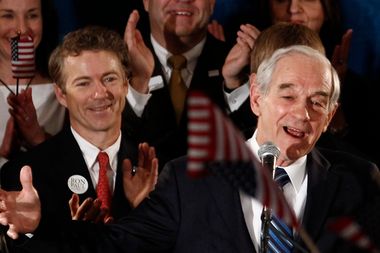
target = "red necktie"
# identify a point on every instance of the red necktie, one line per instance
(103, 189)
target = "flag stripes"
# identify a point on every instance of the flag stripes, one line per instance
(351, 231)
(22, 57)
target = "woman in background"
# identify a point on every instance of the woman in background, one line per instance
(29, 111)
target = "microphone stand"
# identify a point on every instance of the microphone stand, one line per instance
(266, 217)
(268, 154)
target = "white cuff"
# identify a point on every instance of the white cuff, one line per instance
(237, 97)
(138, 100)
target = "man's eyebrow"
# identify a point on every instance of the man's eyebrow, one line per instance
(283, 86)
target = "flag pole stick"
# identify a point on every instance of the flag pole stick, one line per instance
(30, 81)
(17, 81)
(6, 86)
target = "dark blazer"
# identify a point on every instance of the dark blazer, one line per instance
(205, 215)
(53, 163)
(158, 126)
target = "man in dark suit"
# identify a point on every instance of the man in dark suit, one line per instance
(294, 94)
(181, 28)
(90, 69)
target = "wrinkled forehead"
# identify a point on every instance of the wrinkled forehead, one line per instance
(304, 69)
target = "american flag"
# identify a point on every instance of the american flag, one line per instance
(351, 231)
(214, 144)
(22, 57)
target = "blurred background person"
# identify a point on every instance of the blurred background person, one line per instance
(34, 114)
(179, 28)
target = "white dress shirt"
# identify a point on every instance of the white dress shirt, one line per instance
(138, 100)
(295, 193)
(90, 153)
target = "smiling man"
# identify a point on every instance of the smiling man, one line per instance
(294, 94)
(179, 28)
(90, 69)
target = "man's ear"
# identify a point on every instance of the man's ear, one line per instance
(126, 86)
(254, 95)
(330, 117)
(61, 96)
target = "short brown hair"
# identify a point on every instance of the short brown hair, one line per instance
(90, 38)
(282, 35)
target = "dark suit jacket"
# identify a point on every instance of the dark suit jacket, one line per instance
(53, 163)
(158, 126)
(205, 215)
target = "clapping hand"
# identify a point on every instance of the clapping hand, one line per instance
(142, 64)
(239, 56)
(89, 210)
(340, 55)
(140, 181)
(24, 113)
(21, 210)
(216, 30)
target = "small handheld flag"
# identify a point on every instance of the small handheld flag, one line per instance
(22, 57)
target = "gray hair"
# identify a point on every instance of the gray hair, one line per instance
(266, 68)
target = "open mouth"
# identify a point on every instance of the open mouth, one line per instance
(100, 108)
(182, 13)
(294, 132)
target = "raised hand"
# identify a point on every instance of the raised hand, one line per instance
(23, 111)
(216, 30)
(239, 56)
(339, 60)
(21, 210)
(142, 63)
(89, 210)
(140, 181)
(340, 55)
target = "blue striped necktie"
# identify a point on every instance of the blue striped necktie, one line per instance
(276, 242)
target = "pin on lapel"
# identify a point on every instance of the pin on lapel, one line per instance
(77, 184)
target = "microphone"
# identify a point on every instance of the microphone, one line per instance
(268, 153)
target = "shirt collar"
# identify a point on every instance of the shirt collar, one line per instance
(296, 171)
(191, 56)
(90, 152)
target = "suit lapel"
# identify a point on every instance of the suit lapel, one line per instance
(227, 200)
(322, 187)
(73, 164)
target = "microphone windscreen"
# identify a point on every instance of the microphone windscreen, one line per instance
(268, 148)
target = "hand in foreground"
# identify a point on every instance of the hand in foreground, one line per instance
(143, 62)
(216, 30)
(21, 210)
(24, 113)
(89, 210)
(139, 184)
(239, 56)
